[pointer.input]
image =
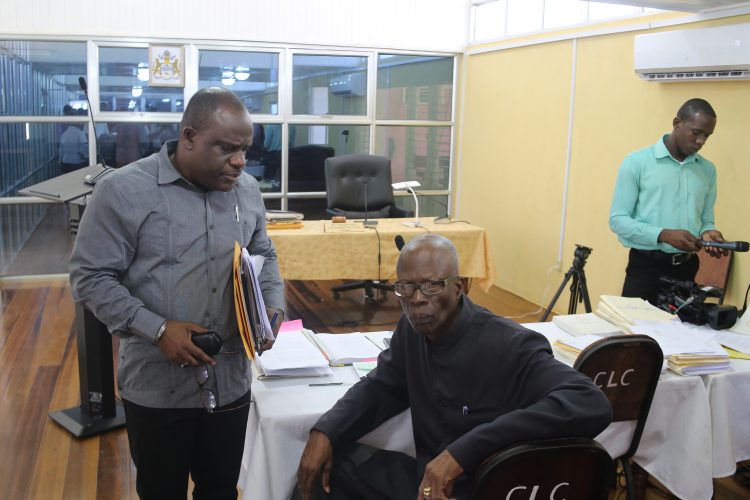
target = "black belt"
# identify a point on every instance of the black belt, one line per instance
(676, 259)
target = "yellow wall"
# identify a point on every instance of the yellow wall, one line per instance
(512, 154)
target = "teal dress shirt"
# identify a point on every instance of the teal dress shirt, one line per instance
(655, 192)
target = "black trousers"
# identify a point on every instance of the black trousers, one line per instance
(168, 445)
(365, 473)
(361, 472)
(645, 268)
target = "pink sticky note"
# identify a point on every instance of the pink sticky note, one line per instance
(291, 326)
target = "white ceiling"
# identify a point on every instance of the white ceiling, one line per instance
(681, 5)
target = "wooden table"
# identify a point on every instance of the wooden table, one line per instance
(311, 253)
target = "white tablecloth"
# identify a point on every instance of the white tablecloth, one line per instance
(697, 429)
(729, 397)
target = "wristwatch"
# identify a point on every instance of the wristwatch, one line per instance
(161, 331)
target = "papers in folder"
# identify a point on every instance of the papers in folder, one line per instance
(249, 306)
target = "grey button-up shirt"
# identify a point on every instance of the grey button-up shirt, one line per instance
(152, 247)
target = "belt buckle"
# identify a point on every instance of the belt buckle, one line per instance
(679, 258)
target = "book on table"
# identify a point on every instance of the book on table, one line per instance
(345, 348)
(586, 324)
(293, 355)
(624, 312)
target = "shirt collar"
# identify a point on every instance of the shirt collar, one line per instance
(661, 151)
(167, 172)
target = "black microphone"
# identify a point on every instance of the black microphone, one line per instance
(399, 242)
(435, 200)
(367, 222)
(84, 86)
(737, 246)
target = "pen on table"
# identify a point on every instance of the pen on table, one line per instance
(236, 213)
(375, 343)
(322, 384)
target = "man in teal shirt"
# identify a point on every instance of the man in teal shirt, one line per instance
(664, 204)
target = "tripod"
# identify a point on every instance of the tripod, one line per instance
(578, 290)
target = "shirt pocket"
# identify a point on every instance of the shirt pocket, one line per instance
(154, 234)
(186, 237)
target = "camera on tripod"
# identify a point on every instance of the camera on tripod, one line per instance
(580, 254)
(688, 301)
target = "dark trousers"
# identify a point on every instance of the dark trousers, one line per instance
(168, 445)
(365, 473)
(645, 268)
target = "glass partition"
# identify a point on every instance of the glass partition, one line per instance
(253, 76)
(123, 83)
(40, 78)
(310, 145)
(329, 85)
(414, 87)
(417, 154)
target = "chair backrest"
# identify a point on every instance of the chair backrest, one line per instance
(348, 176)
(306, 167)
(714, 271)
(567, 468)
(626, 368)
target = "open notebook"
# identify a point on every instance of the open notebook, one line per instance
(346, 348)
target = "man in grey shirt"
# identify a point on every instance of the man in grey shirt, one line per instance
(153, 260)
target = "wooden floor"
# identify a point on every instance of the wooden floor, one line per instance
(39, 374)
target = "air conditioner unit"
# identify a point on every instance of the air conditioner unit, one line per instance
(721, 53)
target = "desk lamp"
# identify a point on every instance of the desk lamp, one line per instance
(409, 186)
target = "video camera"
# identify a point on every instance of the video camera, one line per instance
(687, 300)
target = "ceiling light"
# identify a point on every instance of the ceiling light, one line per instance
(142, 72)
(137, 91)
(242, 73)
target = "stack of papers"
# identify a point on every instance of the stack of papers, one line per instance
(698, 364)
(572, 347)
(283, 219)
(346, 348)
(689, 349)
(293, 355)
(283, 216)
(585, 324)
(624, 312)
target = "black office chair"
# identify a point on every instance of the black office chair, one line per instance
(347, 178)
(570, 468)
(306, 165)
(626, 368)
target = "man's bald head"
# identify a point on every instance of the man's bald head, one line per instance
(440, 246)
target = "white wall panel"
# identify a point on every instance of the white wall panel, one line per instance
(440, 25)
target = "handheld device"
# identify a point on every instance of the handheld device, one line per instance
(209, 342)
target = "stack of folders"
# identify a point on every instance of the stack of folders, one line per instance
(585, 324)
(346, 348)
(624, 312)
(283, 219)
(250, 309)
(698, 363)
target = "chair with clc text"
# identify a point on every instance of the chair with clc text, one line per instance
(626, 368)
(358, 186)
(569, 468)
